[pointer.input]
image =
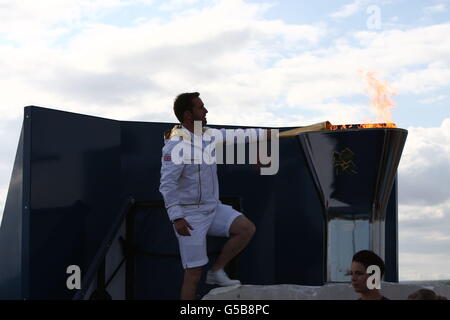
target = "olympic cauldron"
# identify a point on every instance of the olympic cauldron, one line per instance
(354, 170)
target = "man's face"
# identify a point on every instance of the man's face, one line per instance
(199, 111)
(359, 277)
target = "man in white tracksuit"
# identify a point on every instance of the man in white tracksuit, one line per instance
(191, 196)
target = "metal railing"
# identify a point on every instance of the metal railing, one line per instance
(98, 265)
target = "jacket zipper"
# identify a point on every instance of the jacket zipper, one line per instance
(213, 180)
(200, 184)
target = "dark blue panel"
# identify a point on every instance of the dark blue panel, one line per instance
(257, 194)
(142, 143)
(75, 188)
(258, 204)
(391, 233)
(11, 232)
(26, 204)
(299, 221)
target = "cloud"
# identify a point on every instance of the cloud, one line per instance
(398, 49)
(263, 63)
(431, 12)
(424, 203)
(434, 99)
(266, 65)
(430, 78)
(170, 5)
(9, 138)
(105, 68)
(424, 266)
(350, 9)
(425, 171)
(112, 88)
(28, 21)
(435, 9)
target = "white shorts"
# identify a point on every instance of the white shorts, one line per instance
(193, 248)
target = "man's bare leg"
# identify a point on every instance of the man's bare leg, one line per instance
(241, 232)
(191, 279)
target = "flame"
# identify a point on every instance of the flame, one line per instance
(380, 98)
(378, 125)
(361, 126)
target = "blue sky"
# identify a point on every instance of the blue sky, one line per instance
(255, 63)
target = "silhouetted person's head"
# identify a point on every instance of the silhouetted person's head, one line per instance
(360, 262)
(188, 107)
(425, 294)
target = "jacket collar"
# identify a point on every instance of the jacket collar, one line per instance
(181, 131)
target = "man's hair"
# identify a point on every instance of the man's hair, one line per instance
(369, 258)
(182, 103)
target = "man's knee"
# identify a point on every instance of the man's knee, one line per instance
(250, 228)
(243, 226)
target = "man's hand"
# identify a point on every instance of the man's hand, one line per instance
(182, 227)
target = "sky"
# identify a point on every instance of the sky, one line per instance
(255, 63)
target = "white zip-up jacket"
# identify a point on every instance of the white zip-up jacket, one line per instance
(190, 188)
(187, 188)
